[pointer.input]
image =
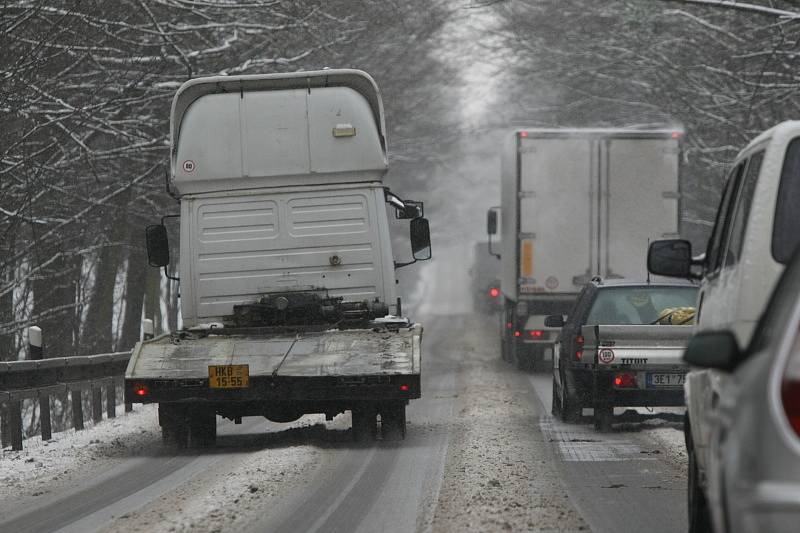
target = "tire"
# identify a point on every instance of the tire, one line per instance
(174, 427)
(603, 416)
(569, 409)
(538, 363)
(393, 421)
(365, 427)
(555, 406)
(203, 428)
(699, 516)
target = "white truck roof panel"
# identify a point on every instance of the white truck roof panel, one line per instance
(244, 132)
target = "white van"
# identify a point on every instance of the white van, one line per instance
(754, 236)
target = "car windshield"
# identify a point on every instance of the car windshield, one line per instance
(643, 305)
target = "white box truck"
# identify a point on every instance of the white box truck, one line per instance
(286, 268)
(575, 204)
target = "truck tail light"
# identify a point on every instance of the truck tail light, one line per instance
(579, 347)
(405, 387)
(517, 333)
(536, 333)
(625, 380)
(494, 292)
(509, 325)
(140, 390)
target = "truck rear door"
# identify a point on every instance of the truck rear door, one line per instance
(557, 235)
(640, 176)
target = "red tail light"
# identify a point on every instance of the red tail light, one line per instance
(790, 394)
(494, 292)
(518, 334)
(579, 347)
(625, 381)
(141, 390)
(509, 325)
(404, 388)
(536, 333)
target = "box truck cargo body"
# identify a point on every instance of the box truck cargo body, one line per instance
(575, 204)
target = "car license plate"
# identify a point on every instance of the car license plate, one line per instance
(229, 376)
(665, 380)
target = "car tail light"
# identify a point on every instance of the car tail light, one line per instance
(790, 389)
(494, 292)
(626, 380)
(579, 347)
(536, 333)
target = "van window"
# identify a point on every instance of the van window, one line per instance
(721, 225)
(785, 236)
(743, 203)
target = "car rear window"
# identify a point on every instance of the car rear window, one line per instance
(642, 305)
(785, 236)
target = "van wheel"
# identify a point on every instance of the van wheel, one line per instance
(364, 423)
(699, 517)
(602, 418)
(393, 421)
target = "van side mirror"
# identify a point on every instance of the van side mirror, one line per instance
(157, 245)
(714, 349)
(491, 222)
(672, 257)
(420, 239)
(554, 321)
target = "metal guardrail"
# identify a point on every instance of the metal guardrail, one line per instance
(41, 379)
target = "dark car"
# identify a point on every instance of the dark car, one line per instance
(621, 346)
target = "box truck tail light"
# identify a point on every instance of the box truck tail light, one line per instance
(536, 333)
(517, 333)
(579, 347)
(405, 387)
(494, 292)
(140, 390)
(523, 134)
(625, 381)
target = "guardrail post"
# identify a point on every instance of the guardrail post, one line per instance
(97, 403)
(111, 399)
(77, 409)
(44, 416)
(15, 424)
(5, 427)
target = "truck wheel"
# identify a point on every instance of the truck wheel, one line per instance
(699, 516)
(393, 421)
(521, 358)
(203, 428)
(364, 424)
(602, 418)
(174, 429)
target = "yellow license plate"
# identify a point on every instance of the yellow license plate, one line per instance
(229, 376)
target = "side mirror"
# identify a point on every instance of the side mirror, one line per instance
(671, 258)
(713, 349)
(157, 245)
(491, 221)
(411, 210)
(554, 321)
(420, 239)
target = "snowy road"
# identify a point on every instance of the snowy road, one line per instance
(482, 452)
